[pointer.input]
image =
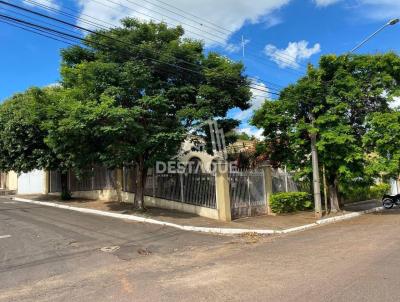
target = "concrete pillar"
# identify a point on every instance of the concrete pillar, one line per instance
(222, 192)
(3, 180)
(12, 181)
(267, 171)
(46, 182)
(118, 183)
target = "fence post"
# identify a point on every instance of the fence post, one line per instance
(119, 183)
(222, 192)
(267, 171)
(46, 182)
(181, 187)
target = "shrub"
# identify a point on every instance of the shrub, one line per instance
(378, 190)
(360, 193)
(290, 202)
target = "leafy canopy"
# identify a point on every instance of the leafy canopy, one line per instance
(332, 101)
(129, 95)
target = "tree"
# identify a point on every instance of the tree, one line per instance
(22, 145)
(383, 139)
(128, 97)
(332, 101)
(145, 72)
(35, 127)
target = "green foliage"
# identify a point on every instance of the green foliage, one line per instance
(147, 105)
(334, 101)
(377, 191)
(383, 138)
(244, 136)
(129, 100)
(361, 193)
(22, 145)
(290, 202)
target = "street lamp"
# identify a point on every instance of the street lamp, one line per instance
(390, 23)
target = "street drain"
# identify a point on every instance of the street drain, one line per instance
(110, 249)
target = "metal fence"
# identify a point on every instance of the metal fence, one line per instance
(191, 188)
(283, 182)
(55, 182)
(129, 179)
(98, 178)
(247, 192)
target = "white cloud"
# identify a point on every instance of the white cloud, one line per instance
(380, 9)
(252, 131)
(323, 3)
(50, 3)
(222, 12)
(372, 9)
(293, 54)
(256, 102)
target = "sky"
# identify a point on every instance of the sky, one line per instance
(275, 39)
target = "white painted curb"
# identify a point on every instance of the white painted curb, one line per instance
(222, 231)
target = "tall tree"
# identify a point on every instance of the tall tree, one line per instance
(128, 96)
(46, 129)
(332, 101)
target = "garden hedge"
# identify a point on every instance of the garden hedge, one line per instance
(290, 202)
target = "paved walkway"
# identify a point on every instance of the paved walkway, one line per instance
(279, 222)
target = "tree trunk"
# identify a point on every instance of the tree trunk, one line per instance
(65, 194)
(141, 177)
(398, 184)
(334, 196)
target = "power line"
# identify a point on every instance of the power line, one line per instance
(227, 30)
(219, 42)
(69, 15)
(68, 23)
(216, 28)
(36, 32)
(66, 35)
(193, 15)
(161, 20)
(203, 34)
(34, 19)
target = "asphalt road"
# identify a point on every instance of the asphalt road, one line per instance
(50, 254)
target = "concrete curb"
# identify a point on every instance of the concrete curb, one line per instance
(221, 231)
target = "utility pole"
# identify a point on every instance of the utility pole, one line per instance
(316, 181)
(325, 190)
(315, 169)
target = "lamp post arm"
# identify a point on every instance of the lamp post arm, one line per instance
(369, 38)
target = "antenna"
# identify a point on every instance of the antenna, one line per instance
(243, 45)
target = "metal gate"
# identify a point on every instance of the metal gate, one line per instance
(247, 193)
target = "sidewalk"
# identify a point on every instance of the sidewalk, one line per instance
(275, 223)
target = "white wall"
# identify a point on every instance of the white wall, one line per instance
(32, 182)
(393, 185)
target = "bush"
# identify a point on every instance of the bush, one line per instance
(361, 193)
(377, 191)
(290, 202)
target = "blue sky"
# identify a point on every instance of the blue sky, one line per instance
(281, 36)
